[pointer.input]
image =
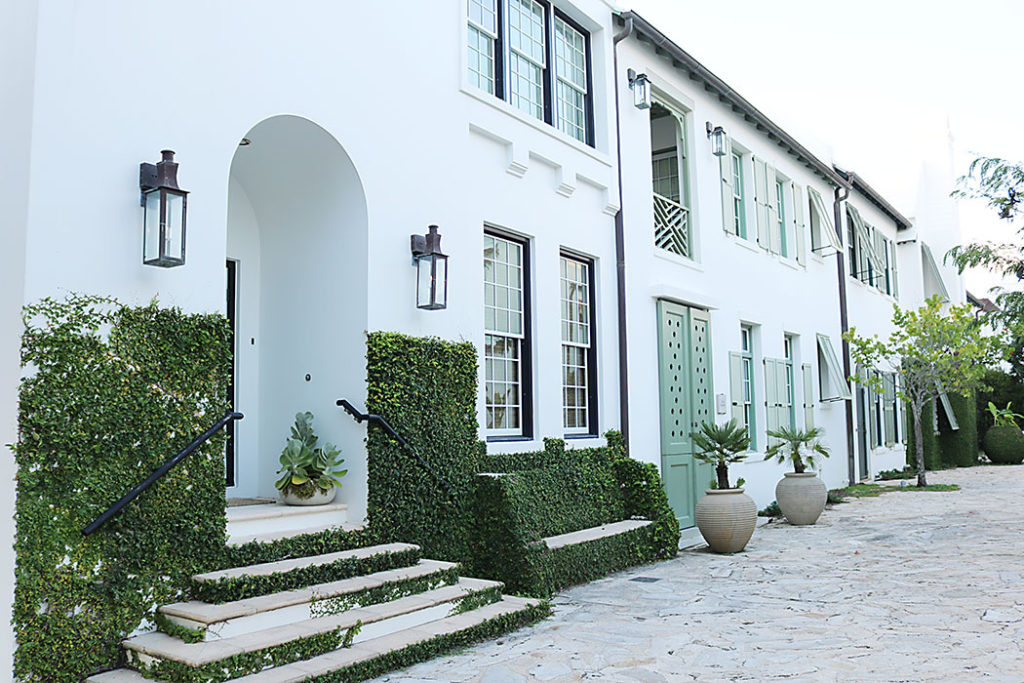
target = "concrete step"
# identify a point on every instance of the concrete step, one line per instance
(594, 533)
(119, 676)
(271, 536)
(377, 621)
(248, 521)
(229, 619)
(374, 647)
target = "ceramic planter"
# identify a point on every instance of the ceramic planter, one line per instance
(801, 497)
(726, 519)
(319, 497)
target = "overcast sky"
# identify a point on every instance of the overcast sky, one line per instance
(875, 84)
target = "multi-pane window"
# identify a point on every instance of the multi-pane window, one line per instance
(483, 34)
(665, 167)
(510, 56)
(789, 398)
(780, 216)
(747, 355)
(505, 340)
(739, 211)
(577, 345)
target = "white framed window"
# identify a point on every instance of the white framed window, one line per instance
(578, 357)
(780, 216)
(739, 206)
(747, 354)
(511, 57)
(506, 338)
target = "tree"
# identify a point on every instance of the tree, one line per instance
(931, 352)
(1000, 184)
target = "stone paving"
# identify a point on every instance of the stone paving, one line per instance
(915, 586)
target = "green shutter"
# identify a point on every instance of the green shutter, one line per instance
(784, 406)
(889, 408)
(725, 170)
(799, 239)
(895, 272)
(871, 407)
(808, 375)
(880, 253)
(761, 203)
(771, 183)
(736, 386)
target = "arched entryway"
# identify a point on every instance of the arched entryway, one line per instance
(297, 264)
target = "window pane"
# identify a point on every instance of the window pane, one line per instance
(503, 317)
(527, 87)
(572, 113)
(570, 55)
(481, 60)
(575, 292)
(526, 29)
(484, 14)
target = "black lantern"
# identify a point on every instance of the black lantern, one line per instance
(431, 271)
(164, 204)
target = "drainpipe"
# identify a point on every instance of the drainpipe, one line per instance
(620, 253)
(841, 194)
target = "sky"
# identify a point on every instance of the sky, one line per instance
(878, 86)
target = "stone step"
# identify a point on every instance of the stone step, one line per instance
(271, 577)
(594, 533)
(375, 647)
(271, 536)
(373, 622)
(246, 521)
(229, 619)
(119, 676)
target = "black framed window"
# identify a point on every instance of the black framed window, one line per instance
(579, 348)
(507, 336)
(534, 57)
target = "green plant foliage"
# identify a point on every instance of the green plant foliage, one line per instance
(426, 389)
(1000, 388)
(797, 446)
(770, 510)
(959, 447)
(875, 490)
(930, 439)
(388, 591)
(887, 475)
(476, 599)
(250, 585)
(308, 468)
(835, 497)
(1004, 445)
(720, 445)
(110, 393)
(1004, 416)
(305, 545)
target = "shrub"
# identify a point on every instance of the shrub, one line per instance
(932, 454)
(1004, 445)
(1001, 388)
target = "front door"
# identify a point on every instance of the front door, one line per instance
(684, 376)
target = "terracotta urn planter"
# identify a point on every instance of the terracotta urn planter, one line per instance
(801, 497)
(726, 519)
(319, 497)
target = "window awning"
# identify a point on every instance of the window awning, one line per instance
(866, 242)
(825, 221)
(932, 267)
(838, 384)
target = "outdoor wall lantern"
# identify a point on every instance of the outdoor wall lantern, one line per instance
(717, 137)
(641, 87)
(164, 208)
(431, 271)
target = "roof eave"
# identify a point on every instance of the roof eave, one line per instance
(872, 195)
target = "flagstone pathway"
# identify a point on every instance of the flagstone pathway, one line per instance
(915, 586)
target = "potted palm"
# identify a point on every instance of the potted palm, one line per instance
(801, 495)
(725, 516)
(310, 473)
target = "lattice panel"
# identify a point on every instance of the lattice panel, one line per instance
(671, 226)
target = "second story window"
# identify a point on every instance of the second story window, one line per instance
(738, 207)
(535, 58)
(780, 217)
(672, 222)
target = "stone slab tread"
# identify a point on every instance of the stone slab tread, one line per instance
(248, 513)
(594, 533)
(211, 613)
(338, 659)
(163, 646)
(281, 566)
(120, 676)
(272, 536)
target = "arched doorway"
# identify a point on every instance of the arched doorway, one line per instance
(297, 270)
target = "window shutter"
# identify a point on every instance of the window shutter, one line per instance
(799, 239)
(782, 398)
(871, 413)
(761, 203)
(895, 272)
(808, 375)
(773, 209)
(771, 398)
(889, 409)
(725, 170)
(880, 253)
(736, 386)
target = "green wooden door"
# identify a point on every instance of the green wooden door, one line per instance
(686, 396)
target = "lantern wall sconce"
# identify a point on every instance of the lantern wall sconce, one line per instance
(164, 209)
(431, 270)
(717, 137)
(641, 87)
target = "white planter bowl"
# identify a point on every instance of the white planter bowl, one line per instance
(801, 497)
(319, 497)
(726, 519)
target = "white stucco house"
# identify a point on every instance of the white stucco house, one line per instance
(613, 268)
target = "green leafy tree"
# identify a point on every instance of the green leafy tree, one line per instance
(720, 445)
(931, 352)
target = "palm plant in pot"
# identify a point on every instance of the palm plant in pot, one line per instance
(725, 516)
(310, 473)
(801, 495)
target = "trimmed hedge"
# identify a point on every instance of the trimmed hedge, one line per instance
(110, 393)
(1004, 445)
(959, 448)
(426, 389)
(1000, 388)
(932, 454)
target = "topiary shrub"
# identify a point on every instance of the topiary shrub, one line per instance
(110, 393)
(959, 448)
(1004, 445)
(932, 453)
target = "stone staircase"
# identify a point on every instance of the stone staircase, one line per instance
(338, 616)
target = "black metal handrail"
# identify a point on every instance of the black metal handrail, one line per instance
(182, 454)
(390, 431)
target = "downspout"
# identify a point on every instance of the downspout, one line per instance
(620, 251)
(841, 194)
